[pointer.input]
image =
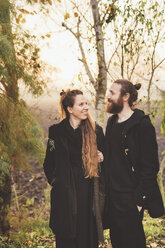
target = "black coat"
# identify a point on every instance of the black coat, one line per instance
(58, 171)
(141, 153)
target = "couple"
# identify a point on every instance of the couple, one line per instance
(74, 162)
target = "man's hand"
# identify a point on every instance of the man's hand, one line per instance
(139, 208)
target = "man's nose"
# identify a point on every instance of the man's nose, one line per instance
(108, 96)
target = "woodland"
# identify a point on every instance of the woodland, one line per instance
(114, 39)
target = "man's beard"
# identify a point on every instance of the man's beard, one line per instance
(114, 107)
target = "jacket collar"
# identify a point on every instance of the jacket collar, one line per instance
(61, 135)
(134, 120)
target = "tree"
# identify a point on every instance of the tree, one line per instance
(155, 27)
(20, 135)
(102, 26)
(128, 39)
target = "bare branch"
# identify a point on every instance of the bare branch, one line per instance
(113, 55)
(65, 25)
(74, 4)
(159, 64)
(83, 56)
(83, 60)
(134, 65)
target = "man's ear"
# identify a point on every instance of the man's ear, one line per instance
(69, 110)
(126, 97)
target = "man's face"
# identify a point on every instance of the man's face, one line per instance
(115, 100)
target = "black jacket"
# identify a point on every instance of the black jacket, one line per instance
(58, 171)
(141, 153)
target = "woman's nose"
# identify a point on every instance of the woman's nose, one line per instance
(86, 107)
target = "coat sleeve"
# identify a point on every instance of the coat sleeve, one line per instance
(100, 138)
(100, 146)
(149, 162)
(49, 162)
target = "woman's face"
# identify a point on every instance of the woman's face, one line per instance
(80, 108)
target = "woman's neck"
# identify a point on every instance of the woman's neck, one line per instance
(75, 123)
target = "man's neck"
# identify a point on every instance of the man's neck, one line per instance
(125, 114)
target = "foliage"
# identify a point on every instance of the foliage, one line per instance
(20, 134)
(154, 231)
(20, 137)
(18, 54)
(33, 231)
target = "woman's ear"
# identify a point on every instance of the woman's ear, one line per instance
(69, 110)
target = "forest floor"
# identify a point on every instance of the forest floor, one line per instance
(30, 214)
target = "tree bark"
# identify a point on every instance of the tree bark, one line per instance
(102, 72)
(5, 199)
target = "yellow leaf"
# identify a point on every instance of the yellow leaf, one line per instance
(19, 17)
(84, 59)
(59, 1)
(43, 37)
(48, 35)
(50, 2)
(17, 20)
(23, 20)
(75, 14)
(24, 11)
(149, 238)
(30, 242)
(115, 64)
(66, 16)
(109, 9)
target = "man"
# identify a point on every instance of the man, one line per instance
(131, 166)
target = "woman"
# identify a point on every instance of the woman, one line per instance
(74, 149)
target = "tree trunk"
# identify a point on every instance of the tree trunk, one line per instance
(148, 94)
(9, 58)
(11, 87)
(160, 175)
(102, 72)
(5, 199)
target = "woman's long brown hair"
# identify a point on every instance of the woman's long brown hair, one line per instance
(88, 127)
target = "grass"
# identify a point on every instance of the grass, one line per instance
(29, 229)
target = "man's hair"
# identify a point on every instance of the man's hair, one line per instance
(128, 87)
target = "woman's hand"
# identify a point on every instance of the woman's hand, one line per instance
(100, 156)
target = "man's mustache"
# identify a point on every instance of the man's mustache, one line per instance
(110, 101)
